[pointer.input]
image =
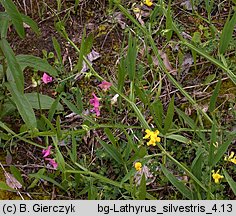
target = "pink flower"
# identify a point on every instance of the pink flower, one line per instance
(52, 162)
(105, 85)
(95, 103)
(46, 152)
(46, 78)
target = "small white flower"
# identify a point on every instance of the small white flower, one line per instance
(114, 99)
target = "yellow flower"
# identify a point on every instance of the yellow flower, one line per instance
(138, 166)
(148, 3)
(231, 158)
(216, 176)
(153, 136)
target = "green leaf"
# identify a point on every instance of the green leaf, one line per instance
(178, 184)
(45, 101)
(221, 150)
(110, 136)
(5, 23)
(131, 57)
(231, 182)
(169, 116)
(15, 72)
(17, 174)
(57, 48)
(156, 109)
(197, 163)
(4, 186)
(46, 178)
(112, 151)
(24, 107)
(169, 23)
(142, 188)
(34, 26)
(178, 138)
(212, 144)
(36, 180)
(71, 106)
(227, 33)
(214, 96)
(15, 16)
(36, 63)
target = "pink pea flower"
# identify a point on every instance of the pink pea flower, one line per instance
(46, 78)
(105, 85)
(95, 103)
(46, 152)
(52, 162)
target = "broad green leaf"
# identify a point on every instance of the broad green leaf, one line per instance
(227, 33)
(17, 174)
(15, 16)
(36, 63)
(4, 186)
(169, 116)
(5, 23)
(45, 101)
(112, 151)
(142, 188)
(13, 65)
(34, 26)
(24, 107)
(231, 182)
(214, 96)
(178, 184)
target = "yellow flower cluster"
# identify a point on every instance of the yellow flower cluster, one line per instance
(138, 166)
(216, 176)
(152, 136)
(148, 3)
(231, 158)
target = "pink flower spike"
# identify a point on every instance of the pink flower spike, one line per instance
(95, 103)
(46, 152)
(105, 85)
(52, 162)
(46, 78)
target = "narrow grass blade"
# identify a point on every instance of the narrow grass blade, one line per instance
(231, 182)
(214, 96)
(169, 116)
(178, 184)
(110, 136)
(112, 151)
(227, 34)
(212, 144)
(47, 178)
(222, 150)
(57, 48)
